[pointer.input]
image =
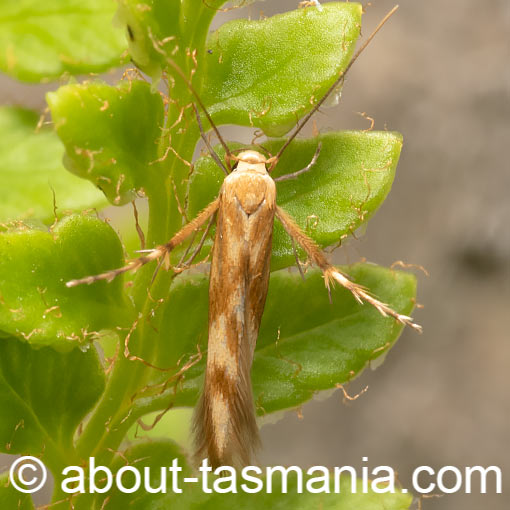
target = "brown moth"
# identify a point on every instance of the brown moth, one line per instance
(224, 423)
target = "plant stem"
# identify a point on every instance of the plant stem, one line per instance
(102, 435)
(110, 420)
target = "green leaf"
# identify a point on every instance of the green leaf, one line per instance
(158, 30)
(42, 40)
(44, 395)
(321, 344)
(34, 267)
(193, 498)
(344, 500)
(260, 73)
(161, 453)
(31, 170)
(110, 134)
(351, 179)
(175, 424)
(11, 498)
(146, 22)
(153, 455)
(266, 73)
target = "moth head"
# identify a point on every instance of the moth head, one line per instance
(251, 161)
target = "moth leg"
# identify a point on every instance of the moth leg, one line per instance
(331, 273)
(158, 252)
(302, 171)
(187, 264)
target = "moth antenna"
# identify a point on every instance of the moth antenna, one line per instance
(180, 72)
(337, 82)
(212, 152)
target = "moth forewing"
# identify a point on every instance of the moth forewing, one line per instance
(224, 421)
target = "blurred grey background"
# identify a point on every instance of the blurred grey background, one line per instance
(439, 73)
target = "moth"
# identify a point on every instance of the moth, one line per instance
(224, 424)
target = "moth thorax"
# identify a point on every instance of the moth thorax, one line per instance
(251, 161)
